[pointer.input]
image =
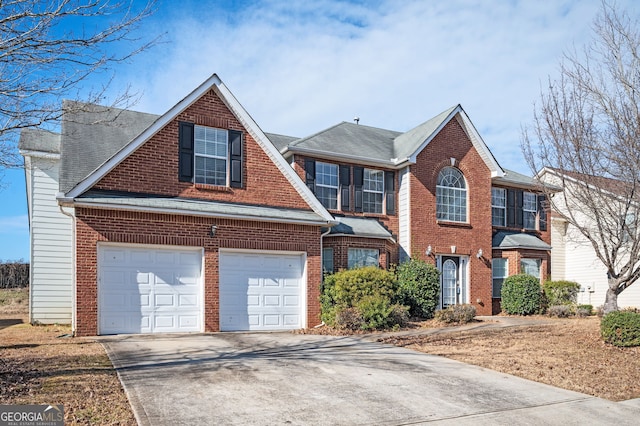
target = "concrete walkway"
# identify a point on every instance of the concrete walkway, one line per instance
(285, 378)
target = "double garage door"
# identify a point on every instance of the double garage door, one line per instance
(159, 290)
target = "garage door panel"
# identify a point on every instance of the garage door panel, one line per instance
(261, 291)
(145, 290)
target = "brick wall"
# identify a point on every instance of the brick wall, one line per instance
(94, 225)
(388, 252)
(153, 168)
(452, 142)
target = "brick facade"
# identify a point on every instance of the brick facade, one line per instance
(452, 144)
(96, 225)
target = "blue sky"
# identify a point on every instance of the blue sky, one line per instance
(299, 67)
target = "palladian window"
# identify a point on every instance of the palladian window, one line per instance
(451, 196)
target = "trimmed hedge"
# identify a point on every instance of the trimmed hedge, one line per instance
(363, 298)
(419, 287)
(521, 295)
(621, 328)
(561, 292)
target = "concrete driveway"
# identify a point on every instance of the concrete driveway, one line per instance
(284, 378)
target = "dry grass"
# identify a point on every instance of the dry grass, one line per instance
(40, 366)
(568, 354)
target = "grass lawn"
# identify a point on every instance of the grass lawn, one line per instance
(42, 365)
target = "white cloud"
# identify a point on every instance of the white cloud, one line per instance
(299, 67)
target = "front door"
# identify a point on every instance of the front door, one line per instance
(451, 288)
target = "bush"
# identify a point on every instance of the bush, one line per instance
(561, 292)
(559, 311)
(521, 295)
(584, 310)
(460, 314)
(361, 298)
(621, 328)
(419, 287)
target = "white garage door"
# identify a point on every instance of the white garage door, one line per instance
(149, 290)
(261, 291)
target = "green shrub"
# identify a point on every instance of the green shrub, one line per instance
(419, 287)
(621, 328)
(559, 311)
(561, 292)
(460, 314)
(584, 310)
(521, 295)
(361, 298)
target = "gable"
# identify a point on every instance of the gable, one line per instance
(154, 167)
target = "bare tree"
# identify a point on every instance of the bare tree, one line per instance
(48, 48)
(586, 134)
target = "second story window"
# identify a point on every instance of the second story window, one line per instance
(373, 191)
(451, 196)
(210, 155)
(529, 210)
(327, 184)
(498, 207)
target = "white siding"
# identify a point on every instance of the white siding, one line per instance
(558, 260)
(404, 215)
(51, 297)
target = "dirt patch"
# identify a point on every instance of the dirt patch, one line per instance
(568, 354)
(42, 365)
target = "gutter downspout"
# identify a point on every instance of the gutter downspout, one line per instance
(73, 271)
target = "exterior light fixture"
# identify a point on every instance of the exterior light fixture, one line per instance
(212, 231)
(428, 252)
(453, 249)
(479, 253)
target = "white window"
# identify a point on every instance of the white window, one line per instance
(498, 207)
(499, 272)
(210, 155)
(373, 191)
(529, 210)
(530, 266)
(327, 260)
(451, 196)
(359, 257)
(327, 184)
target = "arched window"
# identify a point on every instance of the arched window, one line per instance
(451, 196)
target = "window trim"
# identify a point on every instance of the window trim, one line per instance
(528, 212)
(370, 191)
(494, 277)
(320, 164)
(216, 157)
(463, 190)
(502, 207)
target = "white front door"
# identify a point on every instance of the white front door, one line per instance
(453, 280)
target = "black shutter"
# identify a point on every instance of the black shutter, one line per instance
(390, 193)
(345, 187)
(511, 208)
(358, 179)
(185, 152)
(310, 173)
(235, 157)
(542, 213)
(519, 211)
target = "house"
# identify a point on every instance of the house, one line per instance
(197, 220)
(573, 257)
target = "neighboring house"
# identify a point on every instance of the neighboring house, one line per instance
(196, 220)
(573, 257)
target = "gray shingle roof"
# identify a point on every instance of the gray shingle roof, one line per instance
(39, 140)
(280, 141)
(207, 208)
(360, 227)
(518, 240)
(352, 140)
(512, 178)
(91, 134)
(407, 143)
